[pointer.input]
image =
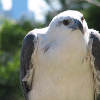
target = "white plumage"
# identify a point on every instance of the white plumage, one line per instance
(60, 63)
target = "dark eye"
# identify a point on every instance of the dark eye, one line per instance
(82, 19)
(65, 22)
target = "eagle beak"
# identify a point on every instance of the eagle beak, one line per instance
(77, 26)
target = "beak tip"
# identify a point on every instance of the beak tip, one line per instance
(77, 26)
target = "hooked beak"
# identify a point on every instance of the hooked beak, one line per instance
(77, 26)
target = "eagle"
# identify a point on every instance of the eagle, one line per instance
(61, 61)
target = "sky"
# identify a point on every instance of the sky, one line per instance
(38, 6)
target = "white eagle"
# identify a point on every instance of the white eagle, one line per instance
(61, 61)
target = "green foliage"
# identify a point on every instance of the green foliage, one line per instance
(9, 80)
(11, 35)
(93, 17)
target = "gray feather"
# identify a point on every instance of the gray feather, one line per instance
(95, 36)
(27, 50)
(96, 48)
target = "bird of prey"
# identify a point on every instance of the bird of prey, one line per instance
(61, 61)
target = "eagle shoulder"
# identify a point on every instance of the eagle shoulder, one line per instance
(26, 66)
(95, 61)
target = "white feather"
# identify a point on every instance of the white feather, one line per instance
(62, 64)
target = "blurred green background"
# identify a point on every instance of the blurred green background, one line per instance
(12, 34)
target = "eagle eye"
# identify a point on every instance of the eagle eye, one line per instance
(82, 19)
(65, 22)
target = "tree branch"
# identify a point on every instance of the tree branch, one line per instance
(96, 3)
